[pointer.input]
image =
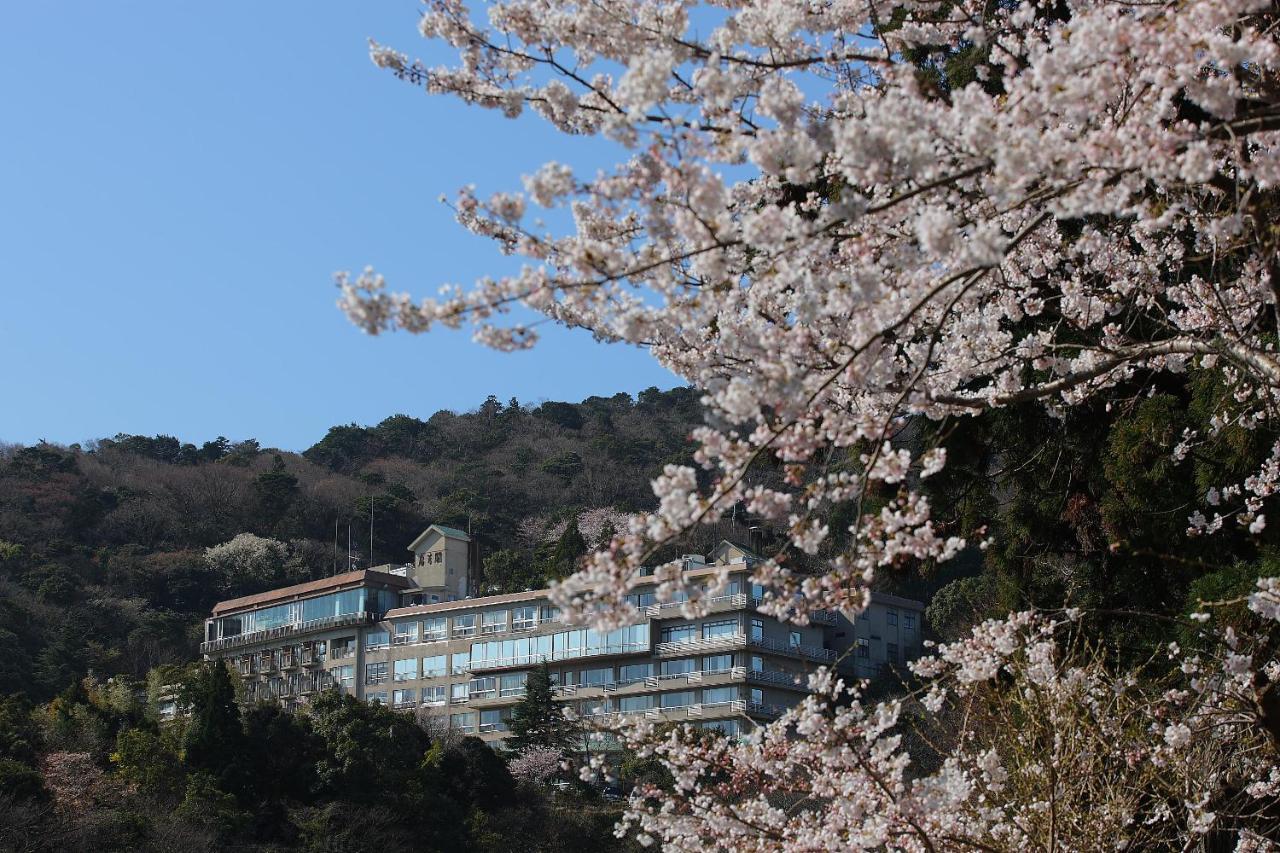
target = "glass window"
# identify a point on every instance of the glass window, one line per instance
(680, 666)
(378, 697)
(464, 626)
(484, 687)
(596, 677)
(492, 721)
(891, 618)
(550, 613)
(375, 673)
(433, 695)
(433, 666)
(344, 675)
(406, 670)
(793, 639)
(757, 696)
(464, 723)
(343, 647)
(864, 648)
(634, 672)
(376, 639)
(679, 699)
(524, 618)
(908, 622)
(757, 630)
(406, 633)
(459, 692)
(679, 633)
(435, 628)
(723, 628)
(493, 622)
(891, 652)
(593, 707)
(757, 663)
(728, 728)
(461, 662)
(717, 663)
(403, 697)
(513, 684)
(717, 695)
(632, 704)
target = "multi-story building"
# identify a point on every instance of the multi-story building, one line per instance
(410, 637)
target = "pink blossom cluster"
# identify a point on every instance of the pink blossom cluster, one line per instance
(830, 241)
(1020, 736)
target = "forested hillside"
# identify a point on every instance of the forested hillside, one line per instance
(103, 563)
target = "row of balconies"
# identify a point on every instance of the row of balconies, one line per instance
(680, 648)
(328, 622)
(711, 709)
(735, 601)
(303, 685)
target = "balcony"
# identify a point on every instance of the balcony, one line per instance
(700, 644)
(650, 683)
(576, 653)
(715, 604)
(812, 652)
(270, 634)
(782, 679)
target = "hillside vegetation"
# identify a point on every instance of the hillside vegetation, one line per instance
(103, 563)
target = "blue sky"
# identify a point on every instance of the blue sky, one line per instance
(178, 183)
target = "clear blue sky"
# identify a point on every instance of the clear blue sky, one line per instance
(178, 183)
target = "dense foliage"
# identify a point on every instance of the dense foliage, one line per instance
(96, 770)
(111, 553)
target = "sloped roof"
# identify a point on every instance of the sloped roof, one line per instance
(449, 532)
(346, 580)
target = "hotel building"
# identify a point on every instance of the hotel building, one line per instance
(410, 636)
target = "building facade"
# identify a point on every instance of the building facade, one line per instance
(411, 638)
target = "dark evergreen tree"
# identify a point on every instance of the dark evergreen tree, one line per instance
(214, 741)
(538, 720)
(276, 490)
(569, 549)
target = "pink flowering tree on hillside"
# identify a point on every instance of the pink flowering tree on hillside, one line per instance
(829, 241)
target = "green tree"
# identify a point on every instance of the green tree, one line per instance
(275, 490)
(214, 741)
(568, 550)
(19, 735)
(510, 571)
(537, 719)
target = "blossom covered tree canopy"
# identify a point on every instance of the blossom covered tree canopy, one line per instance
(835, 217)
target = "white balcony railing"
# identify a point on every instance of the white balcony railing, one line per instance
(288, 631)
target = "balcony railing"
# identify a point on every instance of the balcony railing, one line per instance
(675, 648)
(480, 664)
(288, 631)
(814, 652)
(652, 682)
(786, 679)
(734, 601)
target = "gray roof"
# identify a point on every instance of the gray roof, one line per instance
(450, 532)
